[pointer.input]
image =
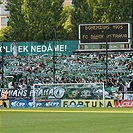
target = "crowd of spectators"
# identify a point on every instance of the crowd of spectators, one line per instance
(24, 71)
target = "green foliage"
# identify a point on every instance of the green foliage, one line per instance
(17, 20)
(5, 34)
(80, 13)
(120, 10)
(66, 15)
(99, 11)
(42, 16)
(36, 19)
(112, 10)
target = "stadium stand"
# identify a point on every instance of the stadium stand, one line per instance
(24, 71)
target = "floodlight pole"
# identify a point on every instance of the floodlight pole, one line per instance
(54, 38)
(106, 62)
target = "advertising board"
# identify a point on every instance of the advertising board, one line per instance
(87, 103)
(125, 104)
(30, 103)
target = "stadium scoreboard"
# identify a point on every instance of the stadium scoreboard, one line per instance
(116, 34)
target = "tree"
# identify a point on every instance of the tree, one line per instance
(66, 15)
(5, 34)
(17, 20)
(42, 16)
(59, 18)
(35, 20)
(120, 11)
(100, 10)
(112, 10)
(81, 13)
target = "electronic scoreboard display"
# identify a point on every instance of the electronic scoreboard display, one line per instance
(104, 32)
(96, 36)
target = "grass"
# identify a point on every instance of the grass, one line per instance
(66, 120)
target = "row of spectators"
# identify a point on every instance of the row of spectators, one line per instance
(24, 71)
